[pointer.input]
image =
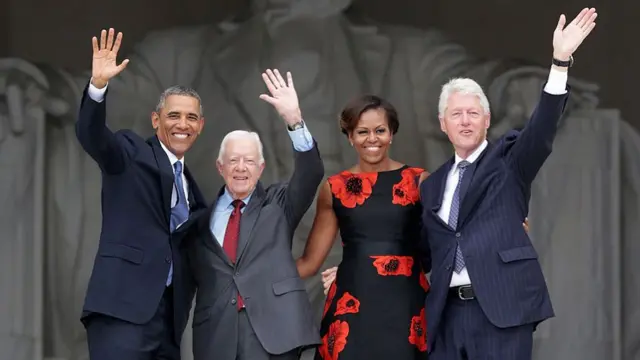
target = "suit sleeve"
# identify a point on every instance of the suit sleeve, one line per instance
(532, 146)
(111, 151)
(424, 247)
(307, 175)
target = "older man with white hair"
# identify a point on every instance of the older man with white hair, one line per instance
(251, 303)
(488, 292)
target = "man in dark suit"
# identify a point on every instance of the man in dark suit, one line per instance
(251, 303)
(135, 307)
(488, 292)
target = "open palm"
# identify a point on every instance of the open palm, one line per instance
(283, 95)
(567, 40)
(104, 56)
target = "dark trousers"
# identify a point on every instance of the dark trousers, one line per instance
(249, 347)
(114, 339)
(467, 334)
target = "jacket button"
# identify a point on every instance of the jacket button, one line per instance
(167, 260)
(237, 274)
(458, 234)
(233, 301)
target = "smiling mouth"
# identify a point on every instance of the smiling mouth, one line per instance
(466, 132)
(241, 178)
(180, 136)
(372, 148)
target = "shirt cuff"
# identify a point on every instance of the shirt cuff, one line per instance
(301, 139)
(557, 82)
(96, 94)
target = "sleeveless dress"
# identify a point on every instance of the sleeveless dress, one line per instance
(375, 307)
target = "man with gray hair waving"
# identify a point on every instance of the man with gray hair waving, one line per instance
(488, 292)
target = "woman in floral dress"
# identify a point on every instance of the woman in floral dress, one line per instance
(375, 308)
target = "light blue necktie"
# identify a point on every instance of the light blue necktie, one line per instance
(453, 215)
(180, 212)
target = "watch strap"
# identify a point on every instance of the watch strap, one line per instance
(561, 63)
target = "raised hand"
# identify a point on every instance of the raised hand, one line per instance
(283, 96)
(567, 40)
(104, 58)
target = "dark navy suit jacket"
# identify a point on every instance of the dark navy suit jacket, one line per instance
(134, 254)
(501, 261)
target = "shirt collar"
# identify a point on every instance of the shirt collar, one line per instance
(226, 199)
(172, 157)
(474, 155)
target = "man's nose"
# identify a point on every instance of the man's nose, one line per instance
(242, 166)
(464, 119)
(183, 123)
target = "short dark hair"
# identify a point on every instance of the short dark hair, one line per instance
(179, 90)
(350, 115)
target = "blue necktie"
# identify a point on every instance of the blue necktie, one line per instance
(180, 212)
(453, 215)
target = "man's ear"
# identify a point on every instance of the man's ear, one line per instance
(155, 120)
(219, 166)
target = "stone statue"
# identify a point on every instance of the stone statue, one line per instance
(334, 59)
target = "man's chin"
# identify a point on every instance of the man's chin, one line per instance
(241, 192)
(180, 148)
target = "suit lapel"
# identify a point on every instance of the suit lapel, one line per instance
(249, 218)
(471, 191)
(439, 179)
(193, 201)
(166, 175)
(210, 241)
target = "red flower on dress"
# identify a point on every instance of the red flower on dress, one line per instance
(406, 191)
(418, 331)
(347, 304)
(423, 282)
(393, 265)
(330, 296)
(352, 189)
(334, 341)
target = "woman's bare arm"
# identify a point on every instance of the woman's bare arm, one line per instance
(322, 235)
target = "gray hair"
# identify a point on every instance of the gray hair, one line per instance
(463, 86)
(241, 134)
(178, 90)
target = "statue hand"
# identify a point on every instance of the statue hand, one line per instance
(567, 40)
(104, 58)
(23, 87)
(328, 277)
(283, 96)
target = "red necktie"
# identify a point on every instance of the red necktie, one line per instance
(230, 243)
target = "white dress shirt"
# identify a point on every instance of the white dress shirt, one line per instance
(556, 85)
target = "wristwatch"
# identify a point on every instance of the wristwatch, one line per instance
(560, 63)
(296, 126)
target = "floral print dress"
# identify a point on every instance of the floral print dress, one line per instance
(375, 308)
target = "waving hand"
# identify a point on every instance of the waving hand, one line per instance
(104, 58)
(283, 96)
(566, 40)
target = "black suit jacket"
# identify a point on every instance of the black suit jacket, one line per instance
(265, 273)
(501, 261)
(134, 253)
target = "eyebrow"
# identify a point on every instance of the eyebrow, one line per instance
(178, 113)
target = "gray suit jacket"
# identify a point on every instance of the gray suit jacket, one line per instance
(265, 273)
